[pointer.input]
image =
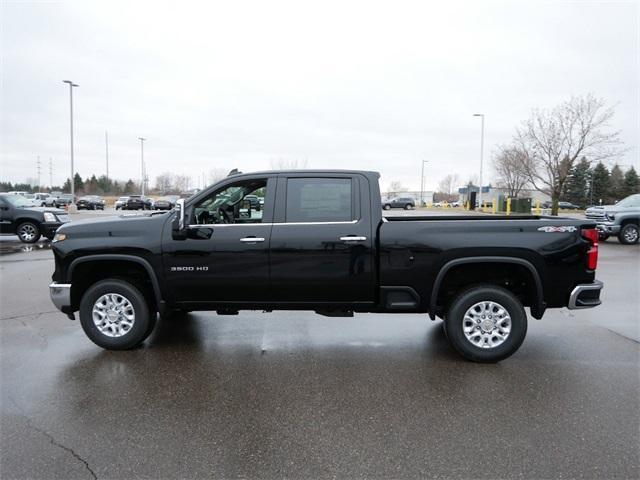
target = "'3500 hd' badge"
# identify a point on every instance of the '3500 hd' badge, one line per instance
(189, 269)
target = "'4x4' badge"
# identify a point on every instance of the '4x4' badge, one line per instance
(561, 229)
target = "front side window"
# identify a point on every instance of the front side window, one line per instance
(319, 200)
(231, 205)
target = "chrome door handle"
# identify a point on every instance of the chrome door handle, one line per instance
(353, 238)
(252, 239)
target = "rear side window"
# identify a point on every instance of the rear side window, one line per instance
(319, 200)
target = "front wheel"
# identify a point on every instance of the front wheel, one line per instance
(114, 315)
(28, 232)
(387, 207)
(486, 324)
(629, 234)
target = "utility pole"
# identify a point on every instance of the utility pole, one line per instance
(38, 167)
(71, 86)
(422, 183)
(142, 163)
(106, 147)
(50, 172)
(481, 155)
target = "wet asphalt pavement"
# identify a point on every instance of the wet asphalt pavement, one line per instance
(297, 395)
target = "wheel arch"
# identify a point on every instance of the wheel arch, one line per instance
(81, 264)
(537, 304)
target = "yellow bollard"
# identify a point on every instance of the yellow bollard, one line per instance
(508, 206)
(494, 206)
(538, 207)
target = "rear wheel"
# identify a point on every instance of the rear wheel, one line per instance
(408, 206)
(28, 232)
(629, 234)
(486, 324)
(114, 314)
(387, 206)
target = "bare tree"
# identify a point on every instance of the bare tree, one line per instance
(551, 141)
(164, 182)
(508, 164)
(288, 163)
(448, 184)
(217, 174)
(395, 187)
(181, 183)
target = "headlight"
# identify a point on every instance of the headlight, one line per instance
(611, 216)
(49, 217)
(59, 237)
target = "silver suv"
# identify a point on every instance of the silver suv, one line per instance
(621, 220)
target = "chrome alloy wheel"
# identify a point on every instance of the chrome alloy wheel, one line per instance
(486, 324)
(631, 235)
(113, 314)
(27, 232)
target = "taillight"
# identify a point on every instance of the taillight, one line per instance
(591, 234)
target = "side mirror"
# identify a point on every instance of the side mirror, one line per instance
(179, 229)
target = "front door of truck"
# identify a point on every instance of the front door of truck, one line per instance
(225, 257)
(322, 245)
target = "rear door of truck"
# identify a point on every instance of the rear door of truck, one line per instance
(322, 241)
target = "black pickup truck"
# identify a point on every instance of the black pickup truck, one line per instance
(320, 243)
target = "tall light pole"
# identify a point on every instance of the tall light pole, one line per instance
(142, 163)
(481, 155)
(71, 85)
(422, 183)
(106, 147)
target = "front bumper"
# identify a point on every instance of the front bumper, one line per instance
(608, 228)
(60, 294)
(586, 295)
(49, 228)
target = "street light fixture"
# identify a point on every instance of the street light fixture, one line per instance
(72, 182)
(422, 183)
(481, 155)
(142, 163)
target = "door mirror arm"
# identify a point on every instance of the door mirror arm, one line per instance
(179, 230)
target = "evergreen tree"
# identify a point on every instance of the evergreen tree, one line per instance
(578, 183)
(129, 187)
(616, 184)
(631, 182)
(78, 184)
(66, 188)
(600, 183)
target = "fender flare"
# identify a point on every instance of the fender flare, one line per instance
(537, 308)
(128, 258)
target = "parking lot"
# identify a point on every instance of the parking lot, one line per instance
(297, 395)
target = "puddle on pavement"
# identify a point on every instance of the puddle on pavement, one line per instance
(9, 247)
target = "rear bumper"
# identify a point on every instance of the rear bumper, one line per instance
(586, 295)
(60, 294)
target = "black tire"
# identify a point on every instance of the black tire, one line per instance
(144, 317)
(28, 232)
(629, 234)
(387, 206)
(603, 237)
(455, 323)
(408, 206)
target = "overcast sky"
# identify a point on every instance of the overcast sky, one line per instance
(359, 85)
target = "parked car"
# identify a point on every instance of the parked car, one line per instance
(400, 202)
(621, 220)
(41, 198)
(18, 192)
(137, 202)
(62, 200)
(31, 199)
(321, 244)
(90, 202)
(164, 203)
(18, 217)
(121, 202)
(254, 200)
(561, 205)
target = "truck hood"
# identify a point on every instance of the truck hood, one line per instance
(122, 225)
